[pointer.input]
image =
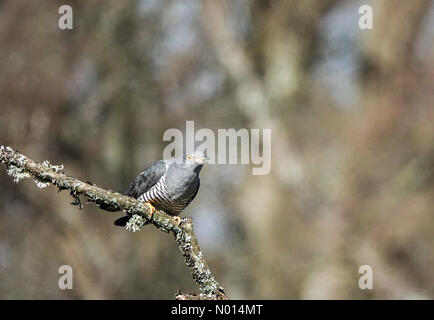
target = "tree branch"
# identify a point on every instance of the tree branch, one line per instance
(21, 167)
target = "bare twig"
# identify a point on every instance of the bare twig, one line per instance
(21, 167)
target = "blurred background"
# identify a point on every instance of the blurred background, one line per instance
(351, 113)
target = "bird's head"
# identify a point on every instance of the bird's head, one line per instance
(194, 160)
(196, 157)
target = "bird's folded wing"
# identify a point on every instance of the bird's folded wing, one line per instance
(146, 180)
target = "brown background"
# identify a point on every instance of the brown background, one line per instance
(351, 114)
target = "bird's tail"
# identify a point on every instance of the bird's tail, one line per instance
(122, 222)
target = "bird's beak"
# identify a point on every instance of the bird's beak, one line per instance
(202, 159)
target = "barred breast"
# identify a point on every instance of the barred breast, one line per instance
(162, 200)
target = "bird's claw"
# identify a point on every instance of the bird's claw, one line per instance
(152, 209)
(178, 220)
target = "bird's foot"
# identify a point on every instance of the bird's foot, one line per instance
(178, 220)
(152, 209)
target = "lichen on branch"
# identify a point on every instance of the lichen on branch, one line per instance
(20, 167)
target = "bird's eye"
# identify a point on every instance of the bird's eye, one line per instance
(189, 157)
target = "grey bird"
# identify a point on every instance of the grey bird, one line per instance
(168, 185)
